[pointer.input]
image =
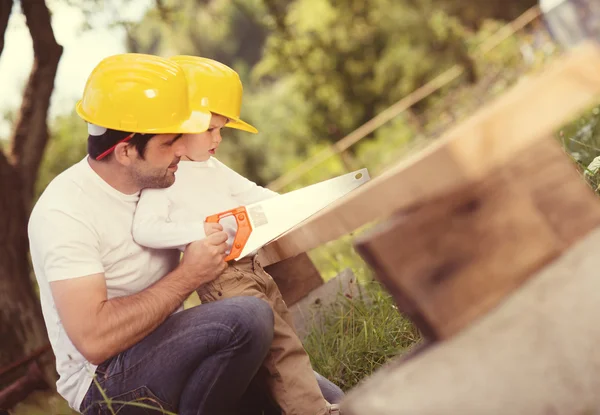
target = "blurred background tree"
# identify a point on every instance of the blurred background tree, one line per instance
(315, 70)
(472, 14)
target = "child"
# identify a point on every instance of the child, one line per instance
(174, 217)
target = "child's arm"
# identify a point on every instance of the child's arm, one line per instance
(243, 190)
(153, 228)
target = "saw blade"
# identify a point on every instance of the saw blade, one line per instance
(273, 217)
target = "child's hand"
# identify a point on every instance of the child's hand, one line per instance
(210, 228)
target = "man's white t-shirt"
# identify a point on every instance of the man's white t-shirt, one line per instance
(174, 217)
(82, 226)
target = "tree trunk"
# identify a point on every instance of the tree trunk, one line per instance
(5, 8)
(21, 325)
(31, 132)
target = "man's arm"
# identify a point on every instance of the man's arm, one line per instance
(101, 328)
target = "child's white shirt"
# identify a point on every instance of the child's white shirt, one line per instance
(174, 217)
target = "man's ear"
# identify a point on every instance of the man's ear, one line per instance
(124, 153)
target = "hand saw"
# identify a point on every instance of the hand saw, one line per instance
(262, 222)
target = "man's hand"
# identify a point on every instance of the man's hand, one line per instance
(204, 260)
(210, 228)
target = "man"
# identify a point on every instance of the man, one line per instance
(113, 309)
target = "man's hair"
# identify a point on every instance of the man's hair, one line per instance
(140, 141)
(100, 144)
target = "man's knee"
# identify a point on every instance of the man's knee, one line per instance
(249, 319)
(254, 317)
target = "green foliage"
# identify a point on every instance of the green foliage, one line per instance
(389, 143)
(581, 137)
(581, 140)
(278, 112)
(228, 31)
(473, 13)
(339, 69)
(331, 167)
(357, 59)
(314, 70)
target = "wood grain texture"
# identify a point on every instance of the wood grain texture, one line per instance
(296, 277)
(529, 111)
(536, 353)
(451, 260)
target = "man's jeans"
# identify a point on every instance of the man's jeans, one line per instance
(203, 360)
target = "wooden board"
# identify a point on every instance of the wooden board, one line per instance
(533, 109)
(296, 277)
(536, 353)
(449, 261)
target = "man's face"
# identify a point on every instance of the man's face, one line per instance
(199, 147)
(157, 168)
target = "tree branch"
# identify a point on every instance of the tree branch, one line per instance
(5, 8)
(30, 135)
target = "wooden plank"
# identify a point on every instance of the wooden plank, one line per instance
(536, 353)
(451, 260)
(296, 277)
(531, 110)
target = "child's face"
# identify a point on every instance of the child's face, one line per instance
(199, 147)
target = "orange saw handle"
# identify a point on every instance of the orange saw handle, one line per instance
(244, 229)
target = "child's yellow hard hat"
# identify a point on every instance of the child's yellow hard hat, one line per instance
(140, 93)
(214, 87)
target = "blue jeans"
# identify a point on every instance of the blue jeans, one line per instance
(204, 360)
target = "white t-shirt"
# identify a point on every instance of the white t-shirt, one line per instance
(82, 226)
(174, 217)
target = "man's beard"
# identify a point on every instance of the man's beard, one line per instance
(154, 179)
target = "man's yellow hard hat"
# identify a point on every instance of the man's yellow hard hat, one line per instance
(140, 93)
(214, 87)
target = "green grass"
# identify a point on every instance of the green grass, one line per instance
(43, 403)
(359, 335)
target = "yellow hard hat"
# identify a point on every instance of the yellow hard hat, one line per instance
(140, 93)
(215, 87)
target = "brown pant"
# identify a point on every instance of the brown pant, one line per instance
(291, 379)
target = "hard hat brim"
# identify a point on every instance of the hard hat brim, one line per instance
(198, 122)
(241, 125)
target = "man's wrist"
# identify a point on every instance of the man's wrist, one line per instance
(182, 278)
(190, 278)
(174, 288)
